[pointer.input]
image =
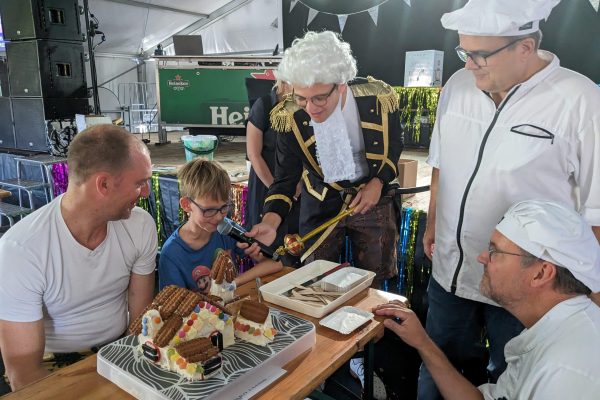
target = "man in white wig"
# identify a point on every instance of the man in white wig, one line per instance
(511, 125)
(342, 137)
(541, 264)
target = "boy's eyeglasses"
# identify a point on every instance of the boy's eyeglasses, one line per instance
(211, 212)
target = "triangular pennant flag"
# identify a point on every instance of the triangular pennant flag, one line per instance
(374, 13)
(595, 4)
(342, 21)
(407, 2)
(311, 15)
(293, 4)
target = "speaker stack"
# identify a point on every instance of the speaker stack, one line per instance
(46, 70)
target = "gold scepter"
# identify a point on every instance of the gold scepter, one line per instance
(294, 243)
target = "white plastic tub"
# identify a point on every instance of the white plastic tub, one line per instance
(273, 291)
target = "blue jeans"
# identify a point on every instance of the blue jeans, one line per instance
(460, 328)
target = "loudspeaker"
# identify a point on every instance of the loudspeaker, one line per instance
(46, 68)
(4, 78)
(30, 116)
(7, 132)
(41, 19)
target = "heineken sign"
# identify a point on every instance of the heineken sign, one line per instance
(178, 84)
(206, 96)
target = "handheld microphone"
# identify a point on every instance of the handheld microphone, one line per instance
(229, 228)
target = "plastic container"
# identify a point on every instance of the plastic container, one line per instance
(274, 292)
(199, 146)
(346, 319)
(344, 279)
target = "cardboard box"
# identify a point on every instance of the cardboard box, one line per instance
(423, 68)
(407, 174)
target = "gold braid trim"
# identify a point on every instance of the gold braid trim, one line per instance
(387, 98)
(282, 115)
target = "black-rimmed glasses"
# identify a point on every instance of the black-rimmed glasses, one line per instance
(319, 100)
(479, 58)
(211, 212)
(492, 250)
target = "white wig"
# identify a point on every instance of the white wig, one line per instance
(317, 58)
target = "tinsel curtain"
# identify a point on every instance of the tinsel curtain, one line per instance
(414, 103)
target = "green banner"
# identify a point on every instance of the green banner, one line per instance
(205, 96)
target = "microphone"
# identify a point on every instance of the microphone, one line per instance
(229, 228)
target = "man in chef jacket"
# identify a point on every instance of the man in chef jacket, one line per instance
(512, 125)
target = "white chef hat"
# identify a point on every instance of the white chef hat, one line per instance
(498, 17)
(555, 233)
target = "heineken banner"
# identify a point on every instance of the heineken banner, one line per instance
(206, 97)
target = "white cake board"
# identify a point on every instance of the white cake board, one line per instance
(247, 368)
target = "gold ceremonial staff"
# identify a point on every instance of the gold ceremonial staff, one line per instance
(294, 243)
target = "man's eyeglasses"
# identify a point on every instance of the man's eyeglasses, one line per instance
(479, 58)
(492, 250)
(318, 100)
(211, 212)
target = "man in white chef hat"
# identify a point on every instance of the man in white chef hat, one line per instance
(512, 125)
(540, 264)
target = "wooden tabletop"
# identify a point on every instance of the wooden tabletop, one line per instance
(304, 374)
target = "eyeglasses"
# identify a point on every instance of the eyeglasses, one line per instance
(479, 58)
(211, 212)
(492, 251)
(318, 100)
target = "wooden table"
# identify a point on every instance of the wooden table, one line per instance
(304, 374)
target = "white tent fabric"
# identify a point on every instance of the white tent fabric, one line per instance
(136, 26)
(253, 28)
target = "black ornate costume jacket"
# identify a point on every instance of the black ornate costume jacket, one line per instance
(296, 154)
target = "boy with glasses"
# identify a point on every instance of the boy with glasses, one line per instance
(511, 125)
(205, 191)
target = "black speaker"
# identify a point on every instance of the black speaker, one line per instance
(46, 68)
(30, 116)
(4, 78)
(7, 132)
(41, 19)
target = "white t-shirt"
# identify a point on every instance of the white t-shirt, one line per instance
(81, 294)
(558, 358)
(543, 144)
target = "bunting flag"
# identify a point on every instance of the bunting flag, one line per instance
(407, 2)
(342, 21)
(342, 18)
(374, 13)
(311, 15)
(293, 4)
(595, 4)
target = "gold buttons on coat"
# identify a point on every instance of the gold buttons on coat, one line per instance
(372, 110)
(305, 123)
(375, 143)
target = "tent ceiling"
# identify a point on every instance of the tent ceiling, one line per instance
(135, 26)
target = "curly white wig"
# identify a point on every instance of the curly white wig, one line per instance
(317, 58)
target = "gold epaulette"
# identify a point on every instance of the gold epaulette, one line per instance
(386, 95)
(282, 115)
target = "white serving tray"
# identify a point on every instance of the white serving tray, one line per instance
(247, 368)
(273, 291)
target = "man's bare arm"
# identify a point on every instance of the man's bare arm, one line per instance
(140, 293)
(22, 346)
